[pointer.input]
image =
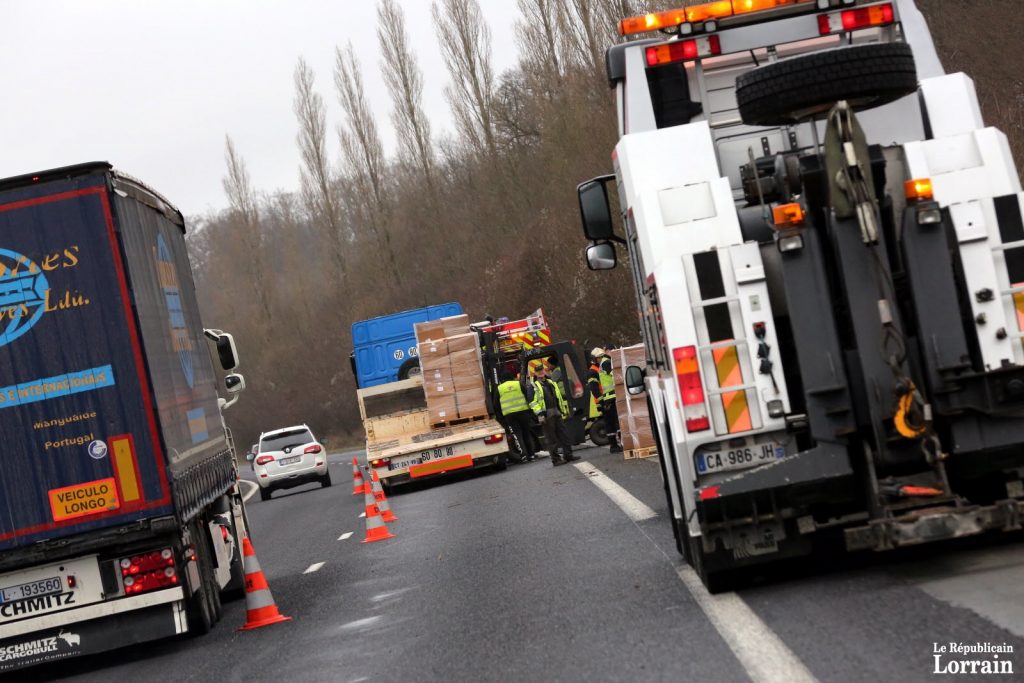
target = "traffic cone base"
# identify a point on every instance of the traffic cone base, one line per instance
(260, 609)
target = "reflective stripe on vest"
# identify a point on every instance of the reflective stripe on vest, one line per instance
(512, 399)
(538, 403)
(607, 386)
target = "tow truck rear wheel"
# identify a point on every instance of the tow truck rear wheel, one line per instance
(597, 434)
(794, 89)
(714, 580)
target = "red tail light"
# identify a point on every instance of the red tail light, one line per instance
(264, 459)
(380, 462)
(494, 438)
(853, 19)
(691, 389)
(683, 50)
(148, 571)
(315, 448)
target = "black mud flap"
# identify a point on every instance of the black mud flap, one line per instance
(815, 466)
(88, 637)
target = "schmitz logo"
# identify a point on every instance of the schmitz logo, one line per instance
(59, 646)
(23, 289)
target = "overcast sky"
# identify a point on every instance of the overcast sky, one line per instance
(154, 85)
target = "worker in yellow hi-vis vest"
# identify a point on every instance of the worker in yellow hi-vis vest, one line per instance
(514, 405)
(602, 387)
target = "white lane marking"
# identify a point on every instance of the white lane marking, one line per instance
(315, 567)
(361, 515)
(345, 536)
(761, 652)
(634, 508)
(252, 491)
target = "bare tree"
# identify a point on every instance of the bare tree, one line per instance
(539, 39)
(315, 176)
(405, 80)
(363, 152)
(245, 218)
(466, 45)
(589, 27)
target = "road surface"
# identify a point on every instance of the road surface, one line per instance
(571, 574)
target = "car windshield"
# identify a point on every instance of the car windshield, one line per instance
(283, 440)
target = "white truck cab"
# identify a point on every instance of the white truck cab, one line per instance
(824, 240)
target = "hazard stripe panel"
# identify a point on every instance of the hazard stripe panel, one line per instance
(125, 467)
(737, 410)
(448, 464)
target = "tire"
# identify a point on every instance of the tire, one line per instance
(325, 480)
(385, 486)
(502, 463)
(598, 435)
(410, 368)
(265, 493)
(200, 608)
(793, 89)
(715, 580)
(235, 590)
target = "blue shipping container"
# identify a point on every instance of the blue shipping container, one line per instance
(384, 344)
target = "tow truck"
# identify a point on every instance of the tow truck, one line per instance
(827, 245)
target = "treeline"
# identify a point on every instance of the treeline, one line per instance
(486, 217)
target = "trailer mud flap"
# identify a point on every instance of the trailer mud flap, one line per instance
(89, 637)
(826, 461)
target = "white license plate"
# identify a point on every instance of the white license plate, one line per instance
(32, 589)
(289, 461)
(738, 458)
(403, 463)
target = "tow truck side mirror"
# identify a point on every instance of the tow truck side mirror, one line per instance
(601, 256)
(594, 209)
(227, 353)
(635, 380)
(234, 383)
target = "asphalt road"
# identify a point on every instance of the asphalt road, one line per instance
(571, 574)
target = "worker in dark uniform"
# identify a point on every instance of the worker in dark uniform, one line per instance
(602, 387)
(552, 409)
(516, 415)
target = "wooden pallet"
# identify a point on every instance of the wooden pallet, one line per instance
(636, 453)
(458, 421)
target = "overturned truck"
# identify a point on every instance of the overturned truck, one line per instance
(828, 252)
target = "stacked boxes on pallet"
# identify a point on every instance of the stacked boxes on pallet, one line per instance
(634, 420)
(453, 377)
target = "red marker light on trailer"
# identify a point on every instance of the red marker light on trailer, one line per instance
(683, 50)
(709, 493)
(854, 19)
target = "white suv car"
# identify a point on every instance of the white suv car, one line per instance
(290, 457)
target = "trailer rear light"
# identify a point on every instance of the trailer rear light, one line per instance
(315, 448)
(264, 459)
(918, 189)
(494, 438)
(150, 581)
(380, 462)
(691, 389)
(853, 19)
(683, 50)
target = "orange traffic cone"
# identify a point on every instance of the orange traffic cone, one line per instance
(382, 501)
(357, 478)
(260, 609)
(376, 529)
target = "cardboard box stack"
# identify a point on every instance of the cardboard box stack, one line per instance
(634, 420)
(453, 377)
